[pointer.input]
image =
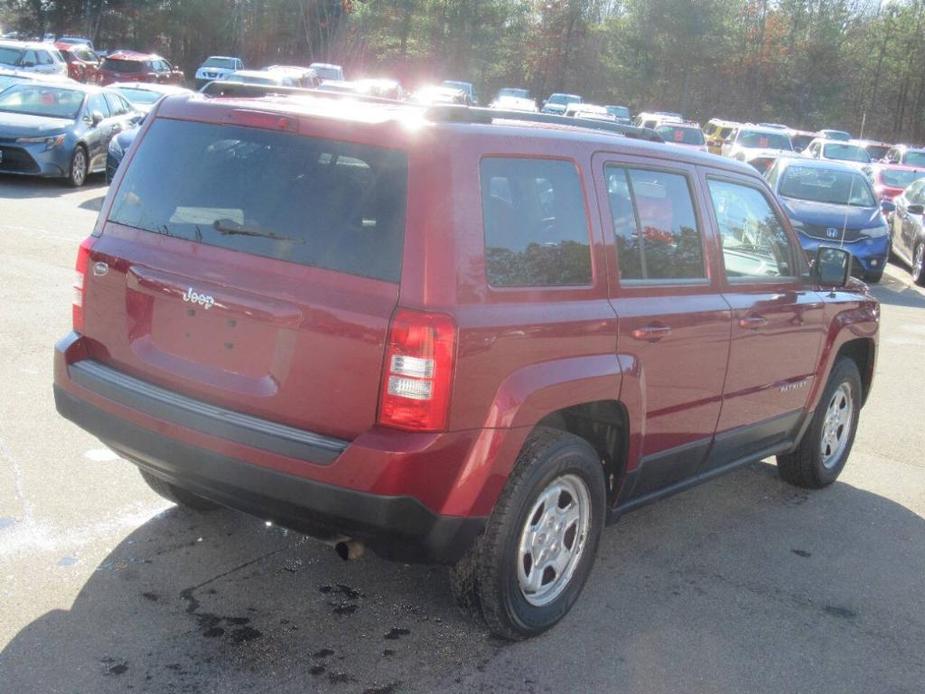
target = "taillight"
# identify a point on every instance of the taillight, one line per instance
(80, 284)
(418, 371)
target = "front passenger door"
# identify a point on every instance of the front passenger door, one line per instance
(778, 321)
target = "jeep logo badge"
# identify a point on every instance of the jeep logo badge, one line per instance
(832, 233)
(195, 297)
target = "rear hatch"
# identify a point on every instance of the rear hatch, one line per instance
(254, 269)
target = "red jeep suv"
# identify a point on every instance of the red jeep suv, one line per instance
(131, 66)
(451, 336)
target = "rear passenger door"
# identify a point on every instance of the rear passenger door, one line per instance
(778, 320)
(673, 322)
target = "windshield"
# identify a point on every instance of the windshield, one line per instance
(517, 93)
(7, 80)
(10, 56)
(117, 65)
(877, 152)
(326, 72)
(564, 99)
(801, 142)
(839, 135)
(227, 63)
(619, 111)
(845, 153)
(41, 100)
(897, 178)
(329, 204)
(826, 185)
(761, 140)
(139, 96)
(679, 135)
(914, 159)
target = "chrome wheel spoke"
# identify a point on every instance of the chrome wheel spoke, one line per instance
(836, 425)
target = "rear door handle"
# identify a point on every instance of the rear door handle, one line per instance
(753, 322)
(652, 332)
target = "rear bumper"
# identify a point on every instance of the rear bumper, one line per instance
(139, 421)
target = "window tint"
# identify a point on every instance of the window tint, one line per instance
(323, 203)
(45, 58)
(536, 231)
(655, 225)
(754, 241)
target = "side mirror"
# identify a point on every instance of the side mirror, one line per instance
(831, 266)
(96, 118)
(916, 209)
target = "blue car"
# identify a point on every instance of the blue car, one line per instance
(59, 130)
(832, 204)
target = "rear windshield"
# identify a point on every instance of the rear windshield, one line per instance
(117, 65)
(140, 96)
(334, 205)
(877, 152)
(761, 140)
(801, 142)
(844, 152)
(10, 56)
(680, 135)
(897, 178)
(914, 159)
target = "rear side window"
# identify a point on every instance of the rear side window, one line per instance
(335, 205)
(655, 225)
(536, 230)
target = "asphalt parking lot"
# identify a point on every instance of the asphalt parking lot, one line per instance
(742, 585)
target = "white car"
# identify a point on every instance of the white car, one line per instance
(513, 103)
(590, 112)
(748, 142)
(217, 67)
(328, 71)
(837, 150)
(264, 77)
(41, 58)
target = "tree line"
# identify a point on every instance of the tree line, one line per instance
(809, 63)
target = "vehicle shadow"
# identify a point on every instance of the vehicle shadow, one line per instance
(746, 583)
(898, 291)
(93, 204)
(23, 187)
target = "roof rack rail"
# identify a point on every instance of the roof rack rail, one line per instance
(445, 113)
(219, 89)
(630, 131)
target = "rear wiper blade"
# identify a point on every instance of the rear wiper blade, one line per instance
(229, 227)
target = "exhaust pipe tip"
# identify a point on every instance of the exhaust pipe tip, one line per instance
(349, 550)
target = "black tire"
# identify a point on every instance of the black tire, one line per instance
(179, 496)
(487, 577)
(79, 167)
(806, 466)
(918, 265)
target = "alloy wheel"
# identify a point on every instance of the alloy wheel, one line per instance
(553, 539)
(836, 427)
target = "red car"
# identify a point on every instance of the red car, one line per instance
(130, 66)
(452, 338)
(83, 64)
(891, 180)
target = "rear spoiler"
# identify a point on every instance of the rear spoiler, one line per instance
(438, 113)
